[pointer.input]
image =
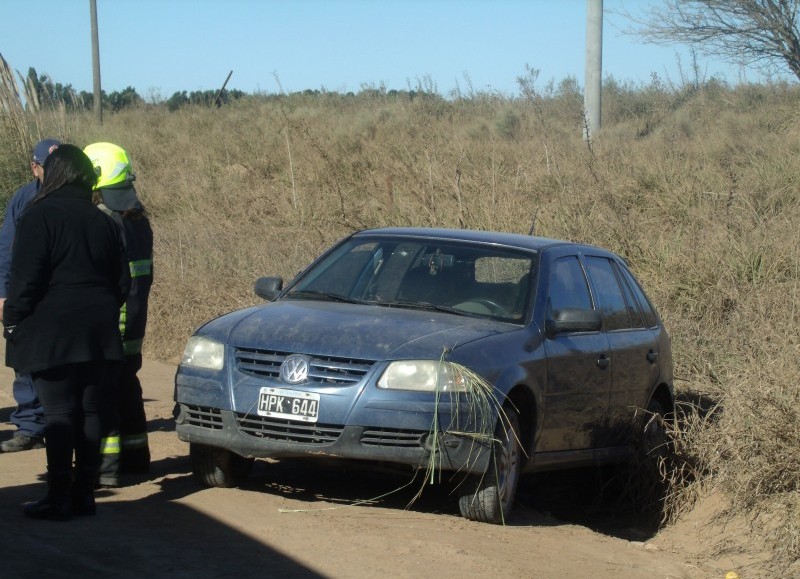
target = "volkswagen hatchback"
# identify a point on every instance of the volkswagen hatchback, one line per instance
(477, 353)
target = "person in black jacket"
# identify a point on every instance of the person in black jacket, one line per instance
(69, 278)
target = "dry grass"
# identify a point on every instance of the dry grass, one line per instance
(699, 189)
(23, 126)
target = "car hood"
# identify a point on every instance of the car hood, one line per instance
(349, 330)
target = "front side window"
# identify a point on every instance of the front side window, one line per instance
(568, 288)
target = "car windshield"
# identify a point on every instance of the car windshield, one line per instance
(471, 279)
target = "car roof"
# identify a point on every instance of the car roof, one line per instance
(515, 240)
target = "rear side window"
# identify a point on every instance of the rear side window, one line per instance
(649, 313)
(633, 308)
(568, 288)
(609, 295)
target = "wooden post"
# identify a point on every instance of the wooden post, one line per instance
(217, 100)
(98, 98)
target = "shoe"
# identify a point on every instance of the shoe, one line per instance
(49, 509)
(22, 442)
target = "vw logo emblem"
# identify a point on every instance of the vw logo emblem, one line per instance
(294, 369)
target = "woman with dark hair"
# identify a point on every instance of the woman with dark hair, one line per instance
(69, 277)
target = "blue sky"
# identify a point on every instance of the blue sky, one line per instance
(162, 46)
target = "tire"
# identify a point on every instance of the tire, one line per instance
(648, 486)
(489, 498)
(218, 467)
(655, 441)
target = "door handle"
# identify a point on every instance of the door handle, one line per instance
(652, 356)
(603, 362)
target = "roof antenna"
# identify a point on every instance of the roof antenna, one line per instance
(533, 223)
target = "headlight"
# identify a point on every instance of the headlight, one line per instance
(424, 376)
(203, 353)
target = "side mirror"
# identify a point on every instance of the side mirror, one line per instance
(268, 287)
(571, 320)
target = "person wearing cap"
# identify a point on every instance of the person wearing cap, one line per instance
(28, 416)
(124, 447)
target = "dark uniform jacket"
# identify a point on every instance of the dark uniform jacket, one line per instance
(16, 206)
(69, 278)
(138, 237)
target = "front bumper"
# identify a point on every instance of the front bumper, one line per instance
(256, 436)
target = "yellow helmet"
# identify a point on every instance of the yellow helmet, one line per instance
(111, 163)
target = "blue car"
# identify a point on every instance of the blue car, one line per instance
(481, 354)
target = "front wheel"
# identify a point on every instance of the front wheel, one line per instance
(489, 498)
(218, 467)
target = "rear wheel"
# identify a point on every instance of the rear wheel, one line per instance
(218, 467)
(489, 498)
(655, 436)
(648, 484)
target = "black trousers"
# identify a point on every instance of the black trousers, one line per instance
(75, 398)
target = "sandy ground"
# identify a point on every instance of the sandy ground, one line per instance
(295, 519)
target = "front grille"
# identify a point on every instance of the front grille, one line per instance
(322, 369)
(392, 437)
(203, 417)
(286, 430)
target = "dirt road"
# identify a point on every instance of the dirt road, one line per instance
(298, 520)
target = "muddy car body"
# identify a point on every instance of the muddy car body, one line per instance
(485, 354)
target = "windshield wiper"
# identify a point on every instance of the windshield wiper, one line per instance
(434, 307)
(314, 294)
(421, 306)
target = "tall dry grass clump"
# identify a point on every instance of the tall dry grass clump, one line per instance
(22, 125)
(698, 187)
(14, 131)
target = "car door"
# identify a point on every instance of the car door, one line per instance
(578, 375)
(634, 368)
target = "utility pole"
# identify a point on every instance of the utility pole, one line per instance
(98, 98)
(594, 66)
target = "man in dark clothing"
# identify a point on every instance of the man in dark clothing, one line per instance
(28, 417)
(125, 447)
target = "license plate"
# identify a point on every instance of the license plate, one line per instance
(288, 404)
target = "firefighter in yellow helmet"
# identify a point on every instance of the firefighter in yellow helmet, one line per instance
(124, 446)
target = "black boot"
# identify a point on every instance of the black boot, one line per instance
(50, 509)
(57, 505)
(83, 504)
